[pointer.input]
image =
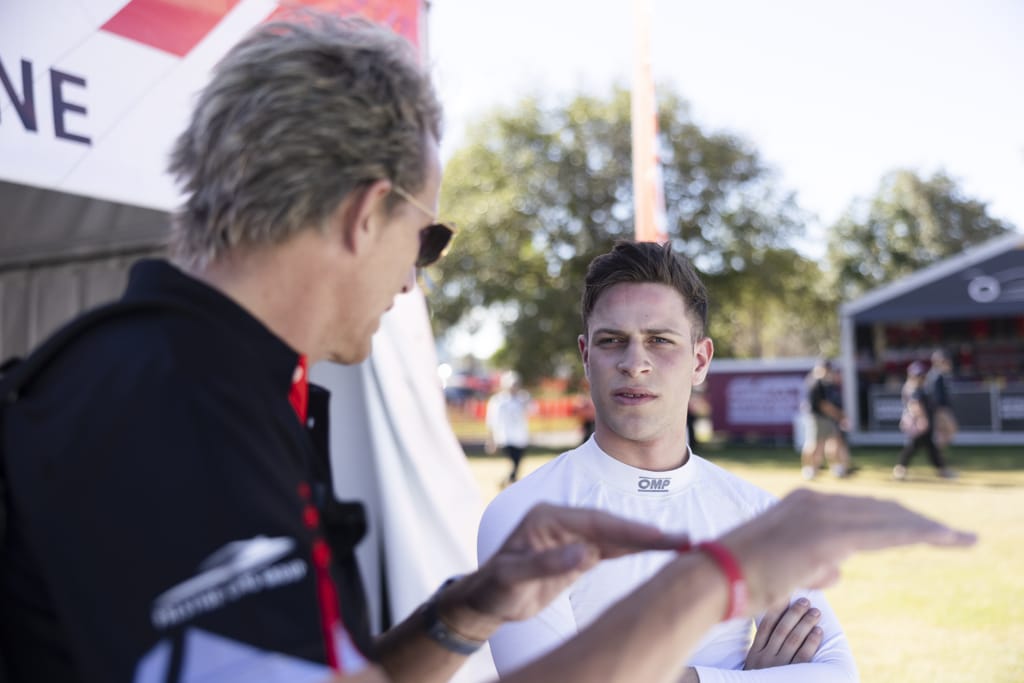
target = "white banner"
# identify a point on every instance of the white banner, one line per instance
(93, 93)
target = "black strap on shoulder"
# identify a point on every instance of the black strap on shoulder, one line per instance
(16, 372)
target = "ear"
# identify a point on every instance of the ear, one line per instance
(357, 218)
(581, 341)
(703, 350)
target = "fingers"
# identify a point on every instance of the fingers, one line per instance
(905, 524)
(550, 548)
(871, 524)
(914, 528)
(516, 585)
(766, 626)
(787, 622)
(560, 560)
(803, 539)
(809, 647)
(787, 636)
(793, 629)
(611, 536)
(854, 523)
(616, 536)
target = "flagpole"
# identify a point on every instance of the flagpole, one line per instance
(648, 194)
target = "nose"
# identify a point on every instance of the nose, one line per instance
(410, 281)
(634, 361)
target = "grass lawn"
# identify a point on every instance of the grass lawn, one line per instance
(916, 615)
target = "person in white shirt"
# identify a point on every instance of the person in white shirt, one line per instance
(508, 421)
(643, 348)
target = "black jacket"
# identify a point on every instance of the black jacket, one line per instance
(159, 493)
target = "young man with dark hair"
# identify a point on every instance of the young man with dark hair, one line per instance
(644, 346)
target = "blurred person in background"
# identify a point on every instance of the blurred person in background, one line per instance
(508, 422)
(824, 423)
(936, 385)
(918, 425)
(584, 410)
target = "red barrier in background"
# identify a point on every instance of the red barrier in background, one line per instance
(556, 406)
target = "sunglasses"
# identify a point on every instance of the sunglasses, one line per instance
(434, 239)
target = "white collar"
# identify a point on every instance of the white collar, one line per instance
(633, 480)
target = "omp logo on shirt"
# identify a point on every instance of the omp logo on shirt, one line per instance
(238, 569)
(653, 484)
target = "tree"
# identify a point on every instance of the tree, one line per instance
(910, 223)
(778, 308)
(538, 191)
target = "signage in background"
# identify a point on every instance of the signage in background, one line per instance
(763, 400)
(757, 400)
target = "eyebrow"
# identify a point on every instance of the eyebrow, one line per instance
(647, 331)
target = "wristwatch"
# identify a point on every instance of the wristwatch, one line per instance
(440, 632)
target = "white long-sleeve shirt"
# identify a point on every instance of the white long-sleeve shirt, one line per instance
(700, 499)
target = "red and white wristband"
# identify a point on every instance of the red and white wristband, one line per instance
(726, 561)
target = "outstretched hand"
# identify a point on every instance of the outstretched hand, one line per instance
(549, 550)
(801, 541)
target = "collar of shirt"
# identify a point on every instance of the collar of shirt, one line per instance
(252, 344)
(298, 396)
(633, 480)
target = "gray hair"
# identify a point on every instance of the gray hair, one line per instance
(298, 115)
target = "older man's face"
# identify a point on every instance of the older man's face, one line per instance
(388, 268)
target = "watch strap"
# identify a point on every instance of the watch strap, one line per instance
(440, 632)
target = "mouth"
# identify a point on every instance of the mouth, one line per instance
(633, 396)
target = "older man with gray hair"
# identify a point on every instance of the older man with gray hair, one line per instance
(164, 517)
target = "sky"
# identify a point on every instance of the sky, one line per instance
(832, 93)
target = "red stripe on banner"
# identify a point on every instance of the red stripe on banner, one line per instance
(174, 26)
(177, 26)
(401, 15)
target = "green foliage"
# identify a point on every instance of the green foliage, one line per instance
(538, 191)
(778, 307)
(910, 223)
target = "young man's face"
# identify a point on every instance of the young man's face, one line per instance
(641, 361)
